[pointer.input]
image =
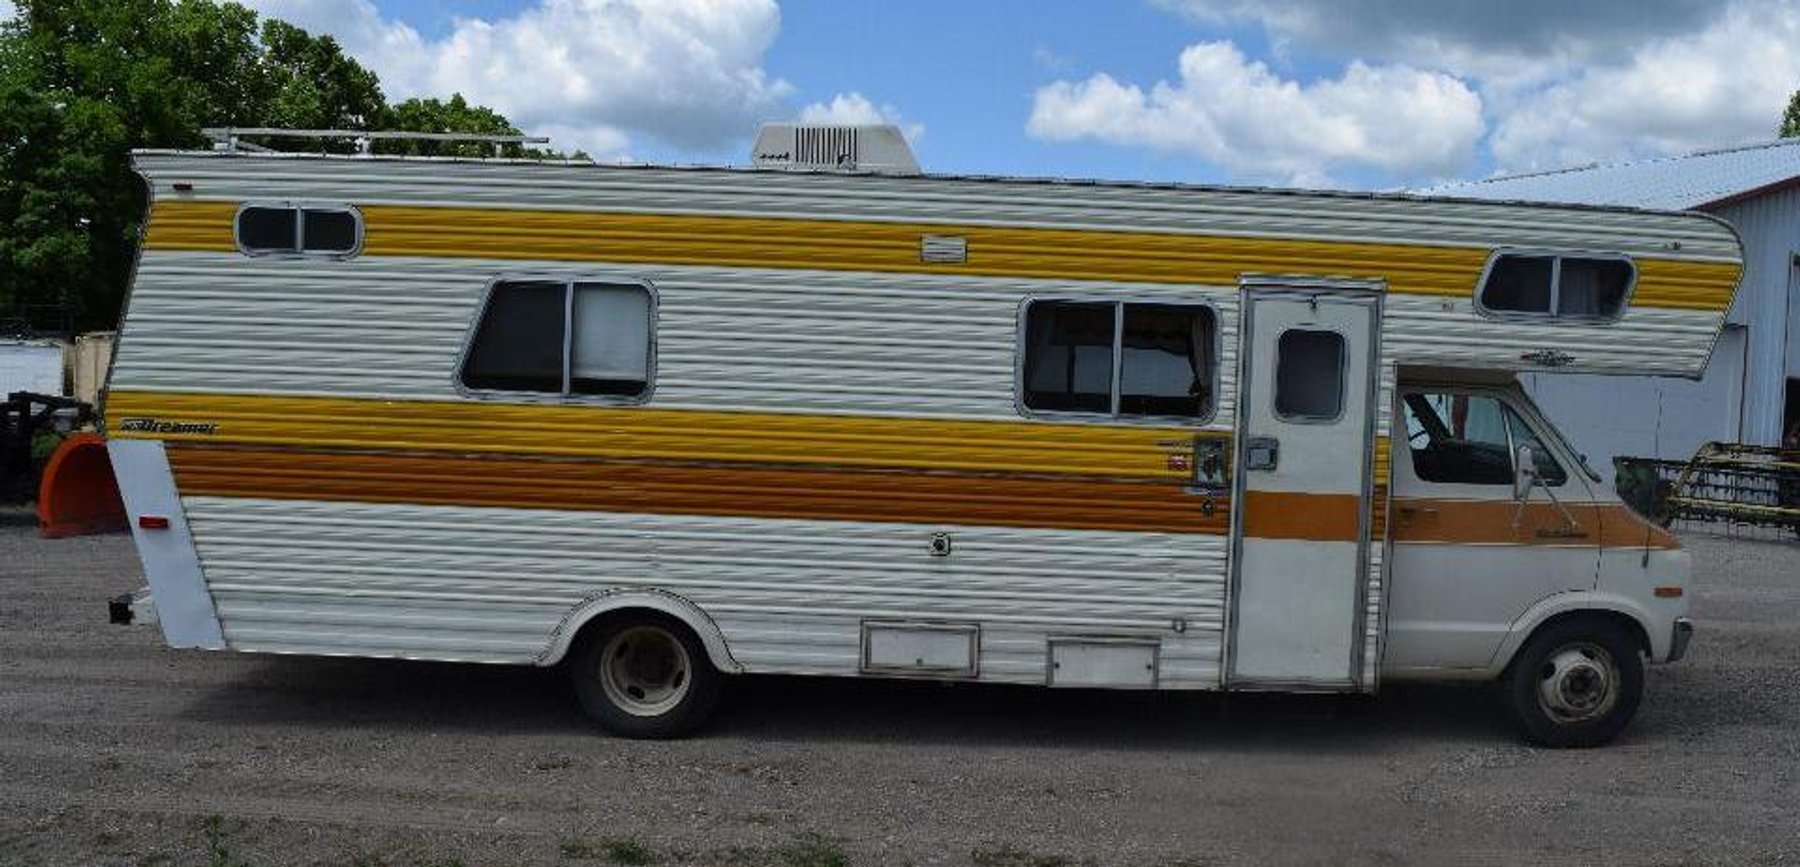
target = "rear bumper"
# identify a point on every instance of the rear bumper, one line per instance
(1678, 642)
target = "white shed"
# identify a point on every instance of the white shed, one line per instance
(1751, 390)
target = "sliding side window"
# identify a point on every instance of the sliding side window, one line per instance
(322, 230)
(1471, 439)
(1119, 359)
(562, 338)
(1571, 287)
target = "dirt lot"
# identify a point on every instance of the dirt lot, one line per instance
(116, 750)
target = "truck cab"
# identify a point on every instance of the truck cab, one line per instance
(1510, 559)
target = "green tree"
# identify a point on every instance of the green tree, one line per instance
(1790, 119)
(83, 82)
(456, 115)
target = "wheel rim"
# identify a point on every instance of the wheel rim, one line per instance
(645, 671)
(1578, 683)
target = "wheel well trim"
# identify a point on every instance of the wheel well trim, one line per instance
(1563, 605)
(660, 601)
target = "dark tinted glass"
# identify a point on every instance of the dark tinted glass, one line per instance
(266, 229)
(1068, 356)
(1592, 287)
(519, 344)
(1518, 284)
(330, 231)
(1166, 368)
(1309, 375)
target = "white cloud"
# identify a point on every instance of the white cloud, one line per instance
(7, 10)
(1725, 84)
(854, 108)
(1564, 83)
(1236, 113)
(594, 74)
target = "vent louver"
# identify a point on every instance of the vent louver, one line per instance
(875, 148)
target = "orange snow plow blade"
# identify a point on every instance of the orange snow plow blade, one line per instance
(78, 495)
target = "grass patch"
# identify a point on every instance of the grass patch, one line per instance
(218, 843)
(812, 850)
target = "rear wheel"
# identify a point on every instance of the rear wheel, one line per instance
(644, 675)
(1575, 684)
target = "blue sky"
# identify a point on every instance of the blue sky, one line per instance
(1349, 93)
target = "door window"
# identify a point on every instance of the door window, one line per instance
(1470, 439)
(1309, 375)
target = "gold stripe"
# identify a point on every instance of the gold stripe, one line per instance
(762, 242)
(646, 433)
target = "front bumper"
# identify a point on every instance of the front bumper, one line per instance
(1678, 643)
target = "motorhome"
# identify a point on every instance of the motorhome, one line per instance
(829, 415)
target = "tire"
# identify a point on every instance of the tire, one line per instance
(1576, 683)
(644, 675)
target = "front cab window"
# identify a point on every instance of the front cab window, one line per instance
(1470, 439)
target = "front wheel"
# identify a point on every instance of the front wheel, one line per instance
(1575, 684)
(644, 676)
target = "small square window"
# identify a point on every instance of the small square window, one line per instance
(562, 338)
(519, 343)
(267, 230)
(1574, 287)
(1069, 356)
(325, 230)
(1119, 358)
(329, 231)
(1309, 375)
(610, 340)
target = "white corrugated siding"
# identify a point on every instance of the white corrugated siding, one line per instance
(766, 340)
(1448, 332)
(492, 584)
(969, 201)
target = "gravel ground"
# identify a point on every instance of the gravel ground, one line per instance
(117, 750)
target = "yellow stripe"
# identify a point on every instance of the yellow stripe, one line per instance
(548, 430)
(760, 242)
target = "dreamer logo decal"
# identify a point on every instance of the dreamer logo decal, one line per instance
(157, 425)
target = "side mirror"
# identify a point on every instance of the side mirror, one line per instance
(1524, 473)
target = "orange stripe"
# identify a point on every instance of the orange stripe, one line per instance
(1620, 527)
(1491, 522)
(723, 490)
(1311, 517)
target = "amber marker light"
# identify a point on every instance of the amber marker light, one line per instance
(1670, 592)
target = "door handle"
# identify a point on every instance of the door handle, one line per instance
(1410, 512)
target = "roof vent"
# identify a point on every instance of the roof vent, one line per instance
(859, 148)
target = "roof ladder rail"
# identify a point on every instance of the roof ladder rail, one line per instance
(228, 138)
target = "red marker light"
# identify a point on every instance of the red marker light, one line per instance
(153, 522)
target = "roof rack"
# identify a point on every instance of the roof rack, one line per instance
(227, 138)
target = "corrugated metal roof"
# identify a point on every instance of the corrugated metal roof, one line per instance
(1673, 183)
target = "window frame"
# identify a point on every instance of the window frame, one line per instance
(1556, 258)
(1021, 329)
(1343, 378)
(299, 207)
(1510, 401)
(652, 319)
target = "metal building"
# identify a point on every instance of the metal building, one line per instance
(1751, 389)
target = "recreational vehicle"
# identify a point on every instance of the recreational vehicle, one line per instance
(828, 415)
